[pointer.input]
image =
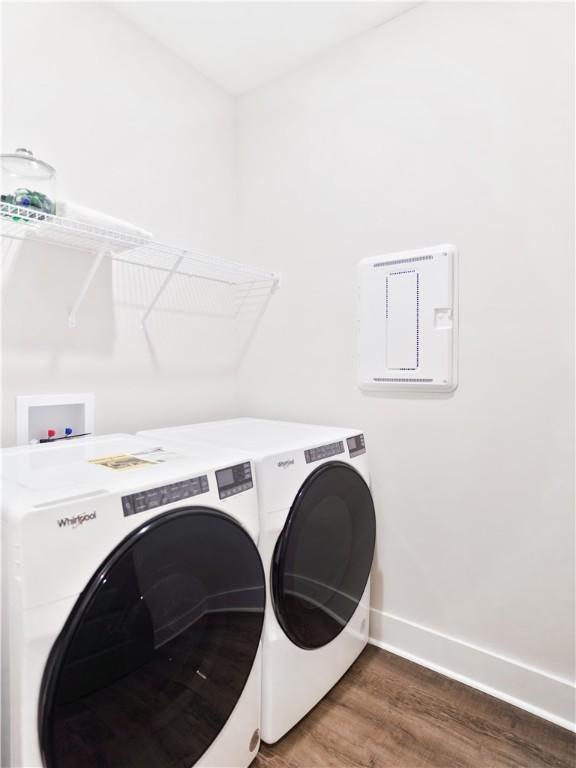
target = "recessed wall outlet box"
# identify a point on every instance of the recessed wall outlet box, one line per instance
(39, 415)
(408, 321)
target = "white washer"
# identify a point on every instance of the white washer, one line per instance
(317, 535)
(133, 606)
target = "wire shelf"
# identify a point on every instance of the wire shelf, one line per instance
(20, 223)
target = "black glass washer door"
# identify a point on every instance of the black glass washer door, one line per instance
(158, 648)
(323, 556)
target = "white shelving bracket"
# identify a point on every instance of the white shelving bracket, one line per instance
(26, 224)
(86, 285)
(161, 290)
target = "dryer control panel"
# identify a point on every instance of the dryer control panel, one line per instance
(232, 480)
(165, 494)
(323, 452)
(356, 445)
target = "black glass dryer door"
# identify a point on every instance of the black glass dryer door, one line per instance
(158, 648)
(323, 556)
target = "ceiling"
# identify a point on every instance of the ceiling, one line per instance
(243, 45)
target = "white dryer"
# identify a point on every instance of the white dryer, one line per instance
(317, 537)
(133, 606)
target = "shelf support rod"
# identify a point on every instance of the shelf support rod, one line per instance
(161, 290)
(86, 285)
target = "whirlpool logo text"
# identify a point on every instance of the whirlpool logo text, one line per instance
(76, 521)
(286, 463)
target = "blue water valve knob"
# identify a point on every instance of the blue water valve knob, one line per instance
(68, 431)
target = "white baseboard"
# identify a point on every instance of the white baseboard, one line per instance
(542, 694)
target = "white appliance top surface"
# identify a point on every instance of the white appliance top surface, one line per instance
(126, 461)
(256, 436)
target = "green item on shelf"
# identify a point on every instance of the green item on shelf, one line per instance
(27, 184)
(29, 198)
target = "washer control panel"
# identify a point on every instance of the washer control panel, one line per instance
(356, 445)
(323, 452)
(165, 494)
(232, 480)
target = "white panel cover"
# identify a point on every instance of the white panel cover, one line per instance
(408, 320)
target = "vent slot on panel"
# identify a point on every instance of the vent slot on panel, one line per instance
(403, 380)
(402, 320)
(402, 261)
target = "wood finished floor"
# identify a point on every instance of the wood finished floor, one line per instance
(387, 712)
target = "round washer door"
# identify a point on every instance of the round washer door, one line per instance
(323, 556)
(157, 649)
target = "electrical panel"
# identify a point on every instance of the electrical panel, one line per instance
(408, 321)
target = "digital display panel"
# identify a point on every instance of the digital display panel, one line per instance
(356, 445)
(225, 477)
(232, 480)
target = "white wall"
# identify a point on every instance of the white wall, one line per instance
(452, 123)
(134, 132)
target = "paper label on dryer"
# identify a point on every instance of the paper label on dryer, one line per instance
(121, 462)
(138, 459)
